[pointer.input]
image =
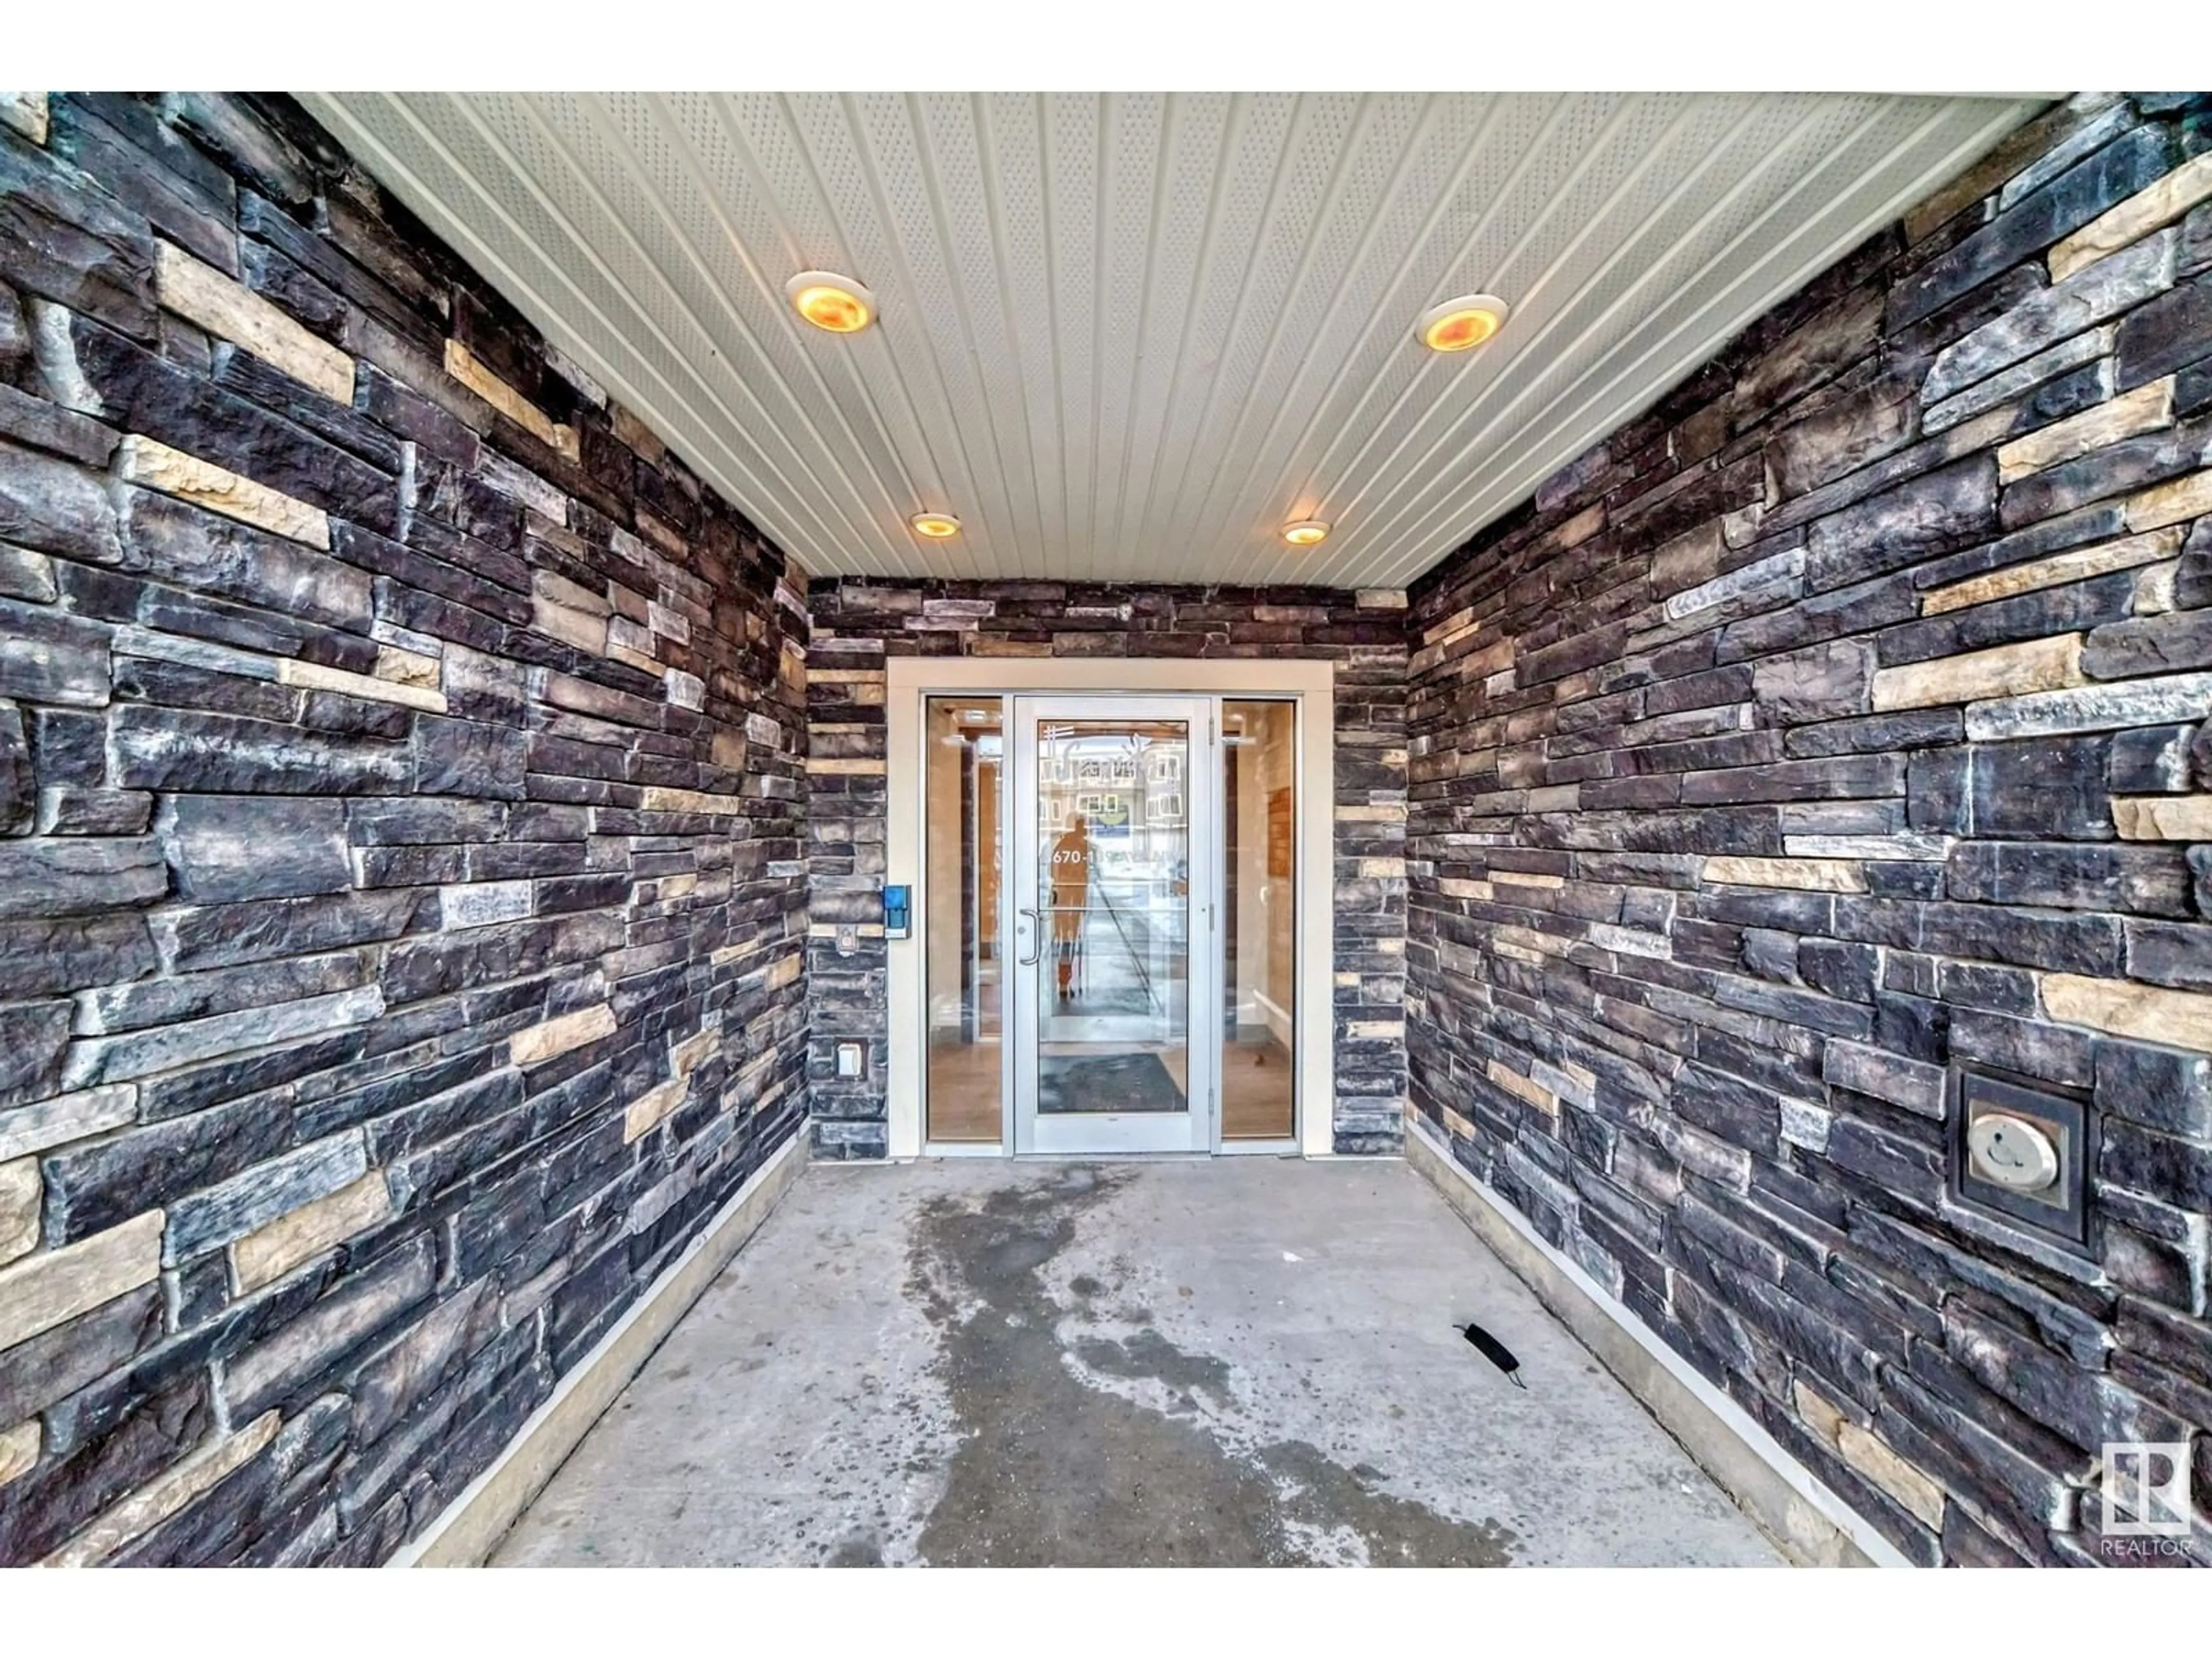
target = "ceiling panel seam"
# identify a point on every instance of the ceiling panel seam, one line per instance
(595, 113)
(1527, 360)
(1384, 322)
(1504, 481)
(1454, 373)
(466, 112)
(1490, 370)
(366, 143)
(1128, 336)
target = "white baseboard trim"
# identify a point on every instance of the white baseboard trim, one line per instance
(1801, 1513)
(470, 1528)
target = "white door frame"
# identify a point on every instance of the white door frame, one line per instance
(909, 680)
(1193, 1129)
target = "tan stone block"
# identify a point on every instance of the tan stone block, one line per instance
(1463, 887)
(20, 1194)
(19, 1450)
(157, 466)
(642, 661)
(25, 113)
(661, 798)
(65, 1118)
(687, 1056)
(556, 1036)
(1456, 622)
(1524, 878)
(1583, 526)
(2146, 409)
(1480, 665)
(167, 1493)
(1820, 1415)
(200, 293)
(1873, 1458)
(649, 1108)
(670, 539)
(2076, 565)
(2155, 593)
(1384, 869)
(461, 363)
(292, 671)
(406, 668)
(2006, 671)
(265, 1255)
(557, 589)
(2163, 817)
(1529, 938)
(862, 769)
(1810, 875)
(635, 435)
(1513, 1083)
(2181, 1020)
(53, 1287)
(2171, 503)
(2147, 210)
(582, 629)
(787, 971)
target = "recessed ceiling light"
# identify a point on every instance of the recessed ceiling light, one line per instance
(935, 525)
(836, 304)
(1460, 325)
(1306, 532)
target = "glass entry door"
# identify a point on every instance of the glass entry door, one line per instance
(1114, 853)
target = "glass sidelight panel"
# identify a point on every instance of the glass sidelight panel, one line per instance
(1259, 757)
(964, 741)
(1110, 895)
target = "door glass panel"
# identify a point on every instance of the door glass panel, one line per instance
(1112, 889)
(1259, 758)
(965, 972)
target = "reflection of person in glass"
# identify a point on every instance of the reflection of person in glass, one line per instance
(1071, 896)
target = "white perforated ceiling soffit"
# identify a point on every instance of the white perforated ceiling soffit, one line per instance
(1130, 336)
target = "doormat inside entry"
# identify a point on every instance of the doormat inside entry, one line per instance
(1106, 1082)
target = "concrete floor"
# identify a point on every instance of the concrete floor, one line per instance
(1245, 1361)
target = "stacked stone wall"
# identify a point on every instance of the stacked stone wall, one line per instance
(1838, 724)
(402, 899)
(858, 624)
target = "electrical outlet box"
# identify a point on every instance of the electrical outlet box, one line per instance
(2021, 1150)
(852, 1059)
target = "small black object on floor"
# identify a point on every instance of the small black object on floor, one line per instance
(1494, 1351)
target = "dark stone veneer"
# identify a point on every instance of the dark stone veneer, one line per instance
(1840, 720)
(402, 916)
(426, 825)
